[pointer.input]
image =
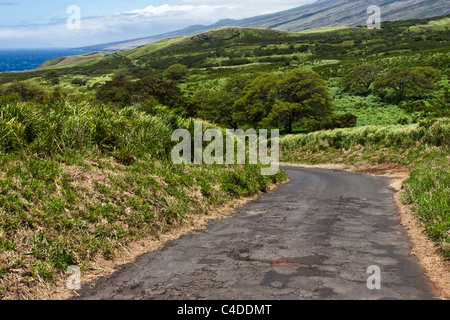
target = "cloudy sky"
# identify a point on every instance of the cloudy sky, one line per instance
(54, 23)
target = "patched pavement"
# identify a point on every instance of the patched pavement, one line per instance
(313, 238)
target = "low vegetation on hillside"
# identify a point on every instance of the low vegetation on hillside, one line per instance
(85, 141)
(81, 181)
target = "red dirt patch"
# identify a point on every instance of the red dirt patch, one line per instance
(385, 169)
(284, 264)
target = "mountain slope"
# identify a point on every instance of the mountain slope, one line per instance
(323, 13)
(236, 47)
(330, 13)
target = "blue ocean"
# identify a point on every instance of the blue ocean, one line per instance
(27, 59)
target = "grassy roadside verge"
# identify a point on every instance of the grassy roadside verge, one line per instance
(80, 181)
(424, 148)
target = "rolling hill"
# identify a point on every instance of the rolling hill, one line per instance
(237, 47)
(322, 13)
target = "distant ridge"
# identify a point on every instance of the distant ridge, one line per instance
(322, 13)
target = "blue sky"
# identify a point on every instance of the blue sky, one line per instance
(43, 23)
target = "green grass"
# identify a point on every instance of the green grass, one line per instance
(324, 29)
(148, 49)
(80, 181)
(423, 148)
(440, 24)
(74, 61)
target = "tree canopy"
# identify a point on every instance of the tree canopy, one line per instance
(283, 100)
(400, 82)
(122, 92)
(360, 80)
(176, 72)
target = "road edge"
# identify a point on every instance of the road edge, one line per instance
(104, 268)
(436, 268)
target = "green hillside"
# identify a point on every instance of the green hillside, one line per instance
(85, 141)
(73, 61)
(319, 14)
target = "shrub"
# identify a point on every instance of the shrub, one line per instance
(176, 72)
(399, 82)
(332, 122)
(79, 82)
(26, 91)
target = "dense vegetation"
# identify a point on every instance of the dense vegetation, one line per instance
(79, 181)
(220, 67)
(85, 141)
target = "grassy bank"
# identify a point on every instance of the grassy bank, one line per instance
(80, 181)
(424, 148)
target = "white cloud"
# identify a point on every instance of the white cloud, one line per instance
(151, 20)
(168, 9)
(253, 7)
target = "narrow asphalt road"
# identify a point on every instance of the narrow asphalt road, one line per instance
(313, 238)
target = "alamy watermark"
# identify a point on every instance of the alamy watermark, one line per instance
(74, 20)
(74, 280)
(374, 21)
(374, 280)
(190, 149)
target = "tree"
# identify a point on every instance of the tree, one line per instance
(123, 92)
(165, 91)
(79, 82)
(176, 72)
(52, 77)
(121, 73)
(284, 114)
(237, 83)
(282, 100)
(300, 94)
(403, 81)
(215, 106)
(360, 80)
(117, 91)
(256, 101)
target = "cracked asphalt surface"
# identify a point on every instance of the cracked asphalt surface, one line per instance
(312, 238)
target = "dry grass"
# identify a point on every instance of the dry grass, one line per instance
(102, 267)
(429, 256)
(67, 61)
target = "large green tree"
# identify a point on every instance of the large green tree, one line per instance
(256, 101)
(266, 100)
(176, 72)
(400, 82)
(299, 95)
(284, 114)
(360, 80)
(215, 106)
(218, 106)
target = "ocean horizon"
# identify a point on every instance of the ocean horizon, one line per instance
(29, 59)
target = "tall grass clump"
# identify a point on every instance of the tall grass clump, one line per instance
(434, 133)
(81, 126)
(80, 181)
